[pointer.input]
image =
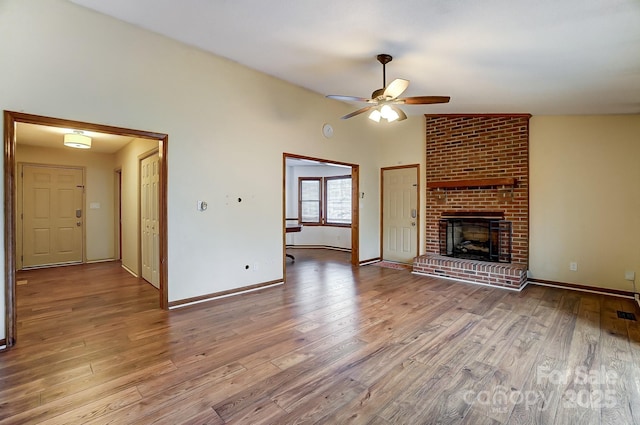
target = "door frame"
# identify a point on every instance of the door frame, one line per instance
(355, 206)
(10, 120)
(418, 205)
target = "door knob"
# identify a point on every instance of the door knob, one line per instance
(413, 223)
(78, 223)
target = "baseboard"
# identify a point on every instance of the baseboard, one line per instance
(369, 261)
(130, 271)
(223, 294)
(335, 248)
(584, 288)
(3, 344)
(106, 260)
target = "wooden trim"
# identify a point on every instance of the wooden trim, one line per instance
(448, 184)
(10, 120)
(313, 158)
(163, 148)
(10, 227)
(578, 287)
(355, 214)
(472, 214)
(230, 292)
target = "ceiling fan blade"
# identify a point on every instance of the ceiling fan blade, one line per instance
(347, 98)
(395, 88)
(358, 112)
(424, 100)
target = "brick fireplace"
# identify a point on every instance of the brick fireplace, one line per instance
(478, 168)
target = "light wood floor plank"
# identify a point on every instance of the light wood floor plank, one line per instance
(336, 344)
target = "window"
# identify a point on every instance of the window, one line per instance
(337, 200)
(325, 200)
(310, 200)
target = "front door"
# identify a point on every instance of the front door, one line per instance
(400, 214)
(149, 219)
(53, 217)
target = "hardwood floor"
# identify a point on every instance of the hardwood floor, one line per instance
(335, 345)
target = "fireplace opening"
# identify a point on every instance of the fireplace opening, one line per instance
(487, 238)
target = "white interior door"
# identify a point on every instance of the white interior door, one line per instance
(52, 215)
(149, 216)
(400, 214)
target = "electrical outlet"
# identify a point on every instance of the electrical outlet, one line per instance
(573, 266)
(630, 275)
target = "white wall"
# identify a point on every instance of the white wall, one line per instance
(331, 236)
(228, 127)
(99, 243)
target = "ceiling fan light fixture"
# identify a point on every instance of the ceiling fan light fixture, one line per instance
(383, 99)
(77, 140)
(388, 113)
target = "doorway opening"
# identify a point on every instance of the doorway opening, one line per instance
(327, 171)
(400, 200)
(11, 121)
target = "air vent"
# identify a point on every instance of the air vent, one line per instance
(626, 315)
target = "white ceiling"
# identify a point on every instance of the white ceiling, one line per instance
(539, 57)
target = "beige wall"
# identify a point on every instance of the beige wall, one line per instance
(127, 160)
(405, 144)
(585, 199)
(117, 74)
(228, 127)
(99, 243)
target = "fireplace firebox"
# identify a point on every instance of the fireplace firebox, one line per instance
(475, 236)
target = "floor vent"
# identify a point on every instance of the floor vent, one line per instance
(626, 315)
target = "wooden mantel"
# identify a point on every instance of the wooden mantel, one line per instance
(448, 184)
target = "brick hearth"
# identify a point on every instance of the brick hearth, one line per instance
(477, 163)
(512, 276)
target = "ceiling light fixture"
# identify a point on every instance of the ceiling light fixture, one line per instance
(387, 112)
(77, 140)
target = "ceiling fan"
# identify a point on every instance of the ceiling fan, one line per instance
(383, 100)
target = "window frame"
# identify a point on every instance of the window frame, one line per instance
(322, 207)
(325, 199)
(319, 201)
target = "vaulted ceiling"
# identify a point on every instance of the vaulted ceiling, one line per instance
(539, 57)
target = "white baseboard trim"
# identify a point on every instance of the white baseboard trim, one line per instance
(130, 271)
(334, 248)
(106, 260)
